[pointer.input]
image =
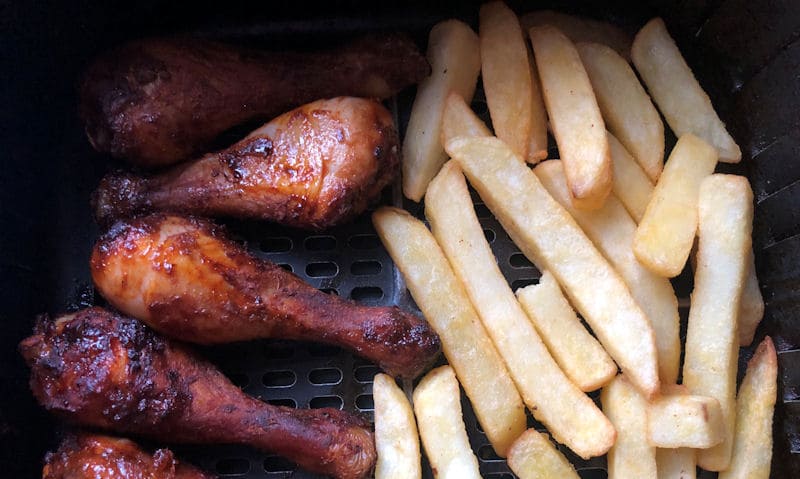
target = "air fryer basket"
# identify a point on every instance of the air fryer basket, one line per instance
(746, 54)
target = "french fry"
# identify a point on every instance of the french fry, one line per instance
(437, 404)
(574, 117)
(755, 405)
(676, 91)
(578, 353)
(533, 456)
(751, 307)
(676, 463)
(506, 75)
(666, 233)
(459, 120)
(627, 110)
(631, 184)
(454, 55)
(569, 414)
(396, 438)
(581, 29)
(537, 147)
(548, 236)
(631, 456)
(712, 340)
(447, 308)
(684, 420)
(611, 230)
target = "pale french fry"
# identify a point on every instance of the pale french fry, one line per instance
(396, 438)
(537, 147)
(506, 75)
(666, 233)
(612, 230)
(627, 110)
(581, 29)
(459, 120)
(574, 117)
(684, 420)
(712, 340)
(454, 55)
(755, 405)
(570, 415)
(447, 308)
(533, 456)
(548, 236)
(578, 353)
(751, 307)
(676, 463)
(631, 184)
(676, 91)
(631, 456)
(437, 405)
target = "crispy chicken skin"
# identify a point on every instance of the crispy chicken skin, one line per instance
(99, 369)
(311, 168)
(96, 456)
(162, 100)
(184, 279)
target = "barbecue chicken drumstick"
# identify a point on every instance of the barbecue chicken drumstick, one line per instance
(99, 369)
(184, 279)
(158, 101)
(311, 168)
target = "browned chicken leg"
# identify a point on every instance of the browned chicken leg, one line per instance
(161, 100)
(185, 280)
(96, 456)
(99, 369)
(313, 167)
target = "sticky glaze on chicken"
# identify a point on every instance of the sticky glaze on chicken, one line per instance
(312, 168)
(99, 369)
(162, 100)
(185, 280)
(97, 456)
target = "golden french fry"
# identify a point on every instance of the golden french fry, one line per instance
(548, 236)
(676, 463)
(537, 147)
(712, 341)
(631, 456)
(631, 184)
(627, 110)
(533, 456)
(751, 308)
(569, 414)
(454, 55)
(396, 438)
(755, 405)
(611, 230)
(574, 117)
(447, 308)
(581, 29)
(578, 353)
(506, 75)
(458, 119)
(437, 405)
(684, 420)
(676, 91)
(666, 233)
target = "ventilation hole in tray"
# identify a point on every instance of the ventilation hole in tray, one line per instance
(365, 268)
(278, 464)
(324, 269)
(486, 453)
(320, 243)
(239, 379)
(278, 351)
(287, 267)
(365, 374)
(367, 294)
(326, 401)
(522, 282)
(232, 466)
(482, 212)
(365, 402)
(325, 376)
(364, 241)
(332, 291)
(288, 402)
(593, 474)
(322, 350)
(518, 260)
(489, 234)
(276, 245)
(279, 379)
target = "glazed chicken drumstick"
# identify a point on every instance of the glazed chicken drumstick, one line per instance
(96, 456)
(100, 369)
(184, 279)
(161, 100)
(311, 168)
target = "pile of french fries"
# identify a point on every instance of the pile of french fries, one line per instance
(608, 224)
